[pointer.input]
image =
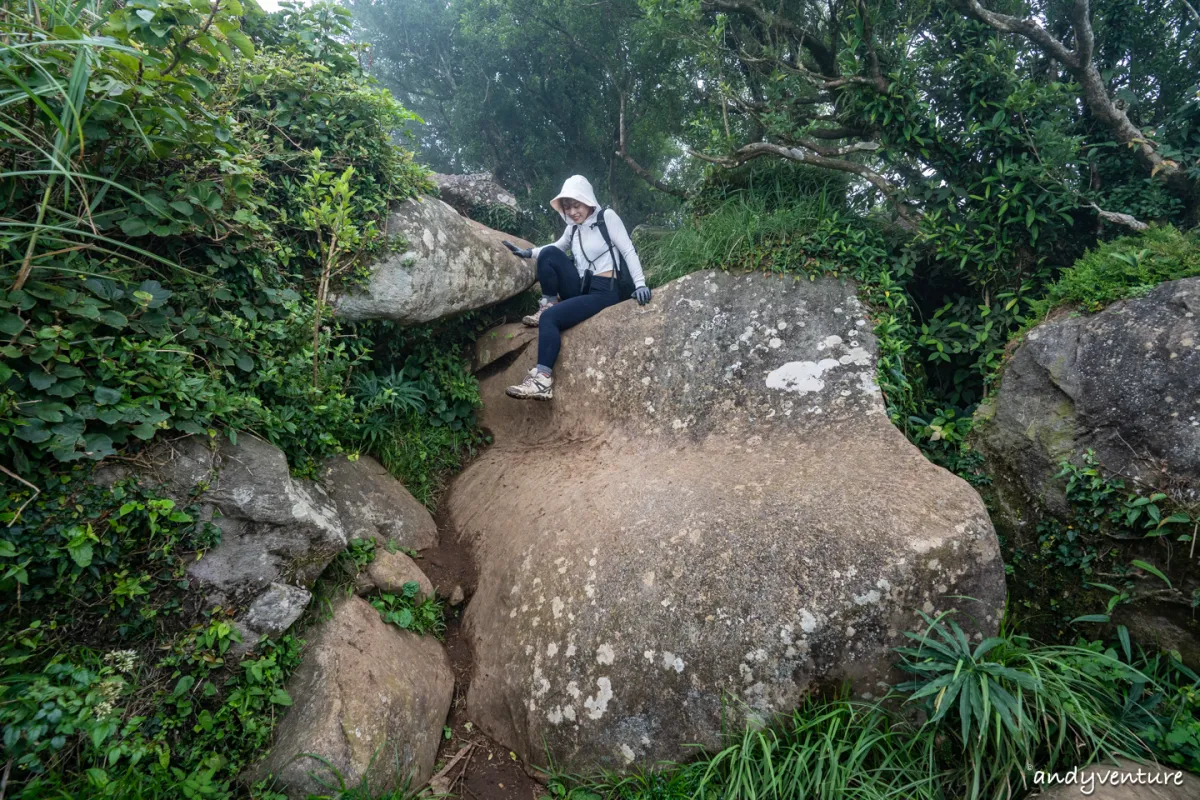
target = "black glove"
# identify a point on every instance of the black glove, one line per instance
(517, 251)
(642, 295)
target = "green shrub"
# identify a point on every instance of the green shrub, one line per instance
(141, 723)
(159, 248)
(174, 173)
(402, 610)
(1126, 267)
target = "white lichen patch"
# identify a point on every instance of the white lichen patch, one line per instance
(605, 654)
(552, 649)
(627, 753)
(829, 341)
(857, 356)
(871, 596)
(557, 606)
(808, 623)
(597, 705)
(802, 377)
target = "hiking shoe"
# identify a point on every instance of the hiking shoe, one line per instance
(531, 320)
(536, 386)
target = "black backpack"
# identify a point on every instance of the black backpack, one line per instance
(625, 285)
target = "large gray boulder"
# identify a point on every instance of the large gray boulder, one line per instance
(277, 533)
(448, 265)
(368, 698)
(1124, 382)
(374, 505)
(712, 518)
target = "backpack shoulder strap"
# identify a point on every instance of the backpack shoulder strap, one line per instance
(603, 226)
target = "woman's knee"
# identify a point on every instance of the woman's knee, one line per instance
(548, 252)
(551, 317)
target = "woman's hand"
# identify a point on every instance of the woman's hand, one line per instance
(642, 295)
(517, 251)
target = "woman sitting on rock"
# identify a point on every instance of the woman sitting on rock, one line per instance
(605, 271)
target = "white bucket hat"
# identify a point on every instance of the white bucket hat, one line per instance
(578, 188)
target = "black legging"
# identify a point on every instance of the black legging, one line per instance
(557, 275)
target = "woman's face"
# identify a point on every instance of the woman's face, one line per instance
(576, 211)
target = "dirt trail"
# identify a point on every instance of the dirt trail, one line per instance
(488, 770)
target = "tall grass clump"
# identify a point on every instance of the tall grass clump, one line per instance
(746, 220)
(1005, 706)
(978, 718)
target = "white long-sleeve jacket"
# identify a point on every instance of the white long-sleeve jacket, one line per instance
(588, 243)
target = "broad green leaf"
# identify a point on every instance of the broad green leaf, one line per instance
(1153, 570)
(242, 43)
(10, 323)
(135, 226)
(81, 553)
(105, 396)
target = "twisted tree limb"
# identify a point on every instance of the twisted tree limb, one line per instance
(641, 171)
(1079, 63)
(824, 57)
(1192, 11)
(827, 158)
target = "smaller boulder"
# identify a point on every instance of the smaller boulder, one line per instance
(273, 529)
(449, 264)
(277, 533)
(270, 615)
(468, 193)
(374, 505)
(501, 341)
(389, 572)
(369, 699)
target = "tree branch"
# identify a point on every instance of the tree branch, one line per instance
(824, 57)
(1117, 218)
(1192, 10)
(836, 133)
(909, 217)
(1028, 28)
(182, 47)
(1095, 94)
(641, 171)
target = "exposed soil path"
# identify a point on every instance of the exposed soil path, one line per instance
(488, 770)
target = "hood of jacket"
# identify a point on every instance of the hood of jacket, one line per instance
(577, 188)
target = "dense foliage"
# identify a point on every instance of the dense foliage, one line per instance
(181, 183)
